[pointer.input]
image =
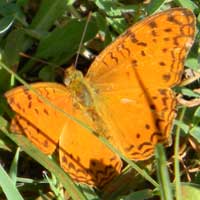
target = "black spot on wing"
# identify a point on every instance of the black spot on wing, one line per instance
(153, 24)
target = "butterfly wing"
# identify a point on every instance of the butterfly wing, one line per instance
(82, 155)
(133, 75)
(154, 47)
(35, 118)
(141, 122)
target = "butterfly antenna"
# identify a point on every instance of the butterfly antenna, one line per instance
(82, 38)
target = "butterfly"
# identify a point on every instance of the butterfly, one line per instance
(126, 97)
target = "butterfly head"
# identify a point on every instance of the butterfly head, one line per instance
(72, 75)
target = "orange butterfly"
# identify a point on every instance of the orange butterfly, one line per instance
(126, 96)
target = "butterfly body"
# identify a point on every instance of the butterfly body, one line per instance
(126, 96)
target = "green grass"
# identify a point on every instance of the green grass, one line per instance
(37, 41)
